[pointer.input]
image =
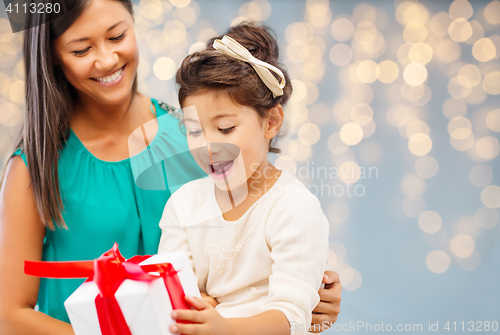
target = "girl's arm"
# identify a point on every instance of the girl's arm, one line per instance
(173, 234)
(207, 321)
(21, 238)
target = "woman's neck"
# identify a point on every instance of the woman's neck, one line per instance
(96, 117)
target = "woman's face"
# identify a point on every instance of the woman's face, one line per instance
(98, 53)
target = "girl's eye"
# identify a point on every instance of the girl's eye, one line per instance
(227, 130)
(194, 133)
(117, 38)
(81, 52)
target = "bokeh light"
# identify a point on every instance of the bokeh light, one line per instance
(340, 54)
(438, 261)
(490, 196)
(411, 184)
(349, 172)
(415, 74)
(488, 147)
(366, 71)
(387, 71)
(481, 175)
(492, 12)
(351, 133)
(398, 115)
(410, 11)
(462, 144)
(420, 53)
(342, 29)
(486, 217)
(469, 75)
(420, 144)
(462, 245)
(430, 222)
(484, 50)
(164, 68)
(461, 9)
(491, 83)
(470, 263)
(426, 167)
(493, 120)
(459, 127)
(309, 133)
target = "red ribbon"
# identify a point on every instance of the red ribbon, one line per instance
(108, 272)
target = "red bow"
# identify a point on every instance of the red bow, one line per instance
(108, 272)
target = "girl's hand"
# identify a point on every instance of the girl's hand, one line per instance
(211, 300)
(207, 320)
(326, 312)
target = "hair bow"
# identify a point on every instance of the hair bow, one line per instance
(232, 48)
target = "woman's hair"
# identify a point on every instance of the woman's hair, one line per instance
(50, 100)
(210, 70)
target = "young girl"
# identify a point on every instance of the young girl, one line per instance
(257, 237)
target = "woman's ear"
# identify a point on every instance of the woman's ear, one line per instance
(273, 121)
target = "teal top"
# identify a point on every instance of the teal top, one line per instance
(108, 202)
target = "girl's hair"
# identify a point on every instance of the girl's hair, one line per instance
(210, 70)
(50, 100)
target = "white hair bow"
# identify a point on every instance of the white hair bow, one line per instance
(232, 48)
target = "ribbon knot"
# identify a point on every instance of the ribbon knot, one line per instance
(108, 272)
(232, 48)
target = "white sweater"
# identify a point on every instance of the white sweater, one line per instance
(273, 257)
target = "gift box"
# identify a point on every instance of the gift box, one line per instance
(124, 297)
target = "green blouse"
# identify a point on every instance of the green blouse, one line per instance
(108, 202)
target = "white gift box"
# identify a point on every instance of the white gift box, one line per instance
(145, 306)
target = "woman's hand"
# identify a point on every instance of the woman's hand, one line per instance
(211, 300)
(326, 312)
(206, 320)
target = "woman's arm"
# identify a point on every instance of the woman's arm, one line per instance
(21, 238)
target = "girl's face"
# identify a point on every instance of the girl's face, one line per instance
(228, 141)
(98, 54)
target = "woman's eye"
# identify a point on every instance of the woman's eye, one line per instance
(194, 133)
(117, 38)
(227, 130)
(114, 39)
(81, 52)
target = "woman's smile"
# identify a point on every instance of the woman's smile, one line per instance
(112, 79)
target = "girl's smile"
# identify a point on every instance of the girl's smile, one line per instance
(220, 170)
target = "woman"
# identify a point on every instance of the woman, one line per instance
(82, 105)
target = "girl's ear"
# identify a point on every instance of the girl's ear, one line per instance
(273, 121)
